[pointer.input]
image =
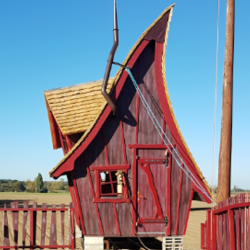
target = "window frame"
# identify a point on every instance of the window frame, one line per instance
(115, 199)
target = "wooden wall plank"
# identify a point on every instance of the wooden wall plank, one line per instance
(175, 175)
(116, 219)
(179, 202)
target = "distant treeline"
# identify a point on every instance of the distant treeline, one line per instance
(36, 186)
(235, 189)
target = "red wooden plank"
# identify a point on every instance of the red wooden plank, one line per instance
(25, 216)
(134, 192)
(37, 246)
(6, 239)
(79, 204)
(43, 224)
(237, 224)
(224, 227)
(62, 223)
(214, 231)
(54, 129)
(178, 204)
(123, 143)
(189, 207)
(232, 207)
(227, 226)
(72, 227)
(231, 230)
(112, 167)
(53, 240)
(203, 244)
(163, 129)
(116, 219)
(93, 194)
(242, 223)
(61, 141)
(150, 146)
(208, 237)
(168, 195)
(15, 222)
(220, 227)
(137, 116)
(247, 225)
(33, 226)
(105, 148)
(68, 143)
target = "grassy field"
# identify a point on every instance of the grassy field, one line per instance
(191, 239)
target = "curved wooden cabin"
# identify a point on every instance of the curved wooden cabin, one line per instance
(155, 191)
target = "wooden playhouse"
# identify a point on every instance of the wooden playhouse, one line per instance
(123, 178)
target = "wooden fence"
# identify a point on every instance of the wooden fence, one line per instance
(227, 226)
(30, 220)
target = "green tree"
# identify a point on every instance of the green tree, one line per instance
(39, 183)
(30, 186)
(18, 187)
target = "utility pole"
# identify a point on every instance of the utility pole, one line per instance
(224, 179)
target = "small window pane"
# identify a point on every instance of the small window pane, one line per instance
(103, 176)
(106, 189)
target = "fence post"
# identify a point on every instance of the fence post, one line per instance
(6, 240)
(53, 238)
(15, 204)
(208, 229)
(72, 226)
(214, 231)
(25, 217)
(203, 234)
(43, 224)
(33, 226)
(231, 229)
(62, 224)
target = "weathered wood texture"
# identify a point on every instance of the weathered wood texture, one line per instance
(28, 239)
(228, 227)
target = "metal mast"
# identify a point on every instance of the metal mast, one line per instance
(224, 179)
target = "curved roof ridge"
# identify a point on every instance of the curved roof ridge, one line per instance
(171, 107)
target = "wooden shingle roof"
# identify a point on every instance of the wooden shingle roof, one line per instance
(75, 108)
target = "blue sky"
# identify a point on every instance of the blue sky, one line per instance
(50, 44)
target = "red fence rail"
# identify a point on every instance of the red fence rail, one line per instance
(29, 214)
(227, 226)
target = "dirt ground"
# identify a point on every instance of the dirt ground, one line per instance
(191, 239)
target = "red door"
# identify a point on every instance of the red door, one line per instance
(153, 197)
